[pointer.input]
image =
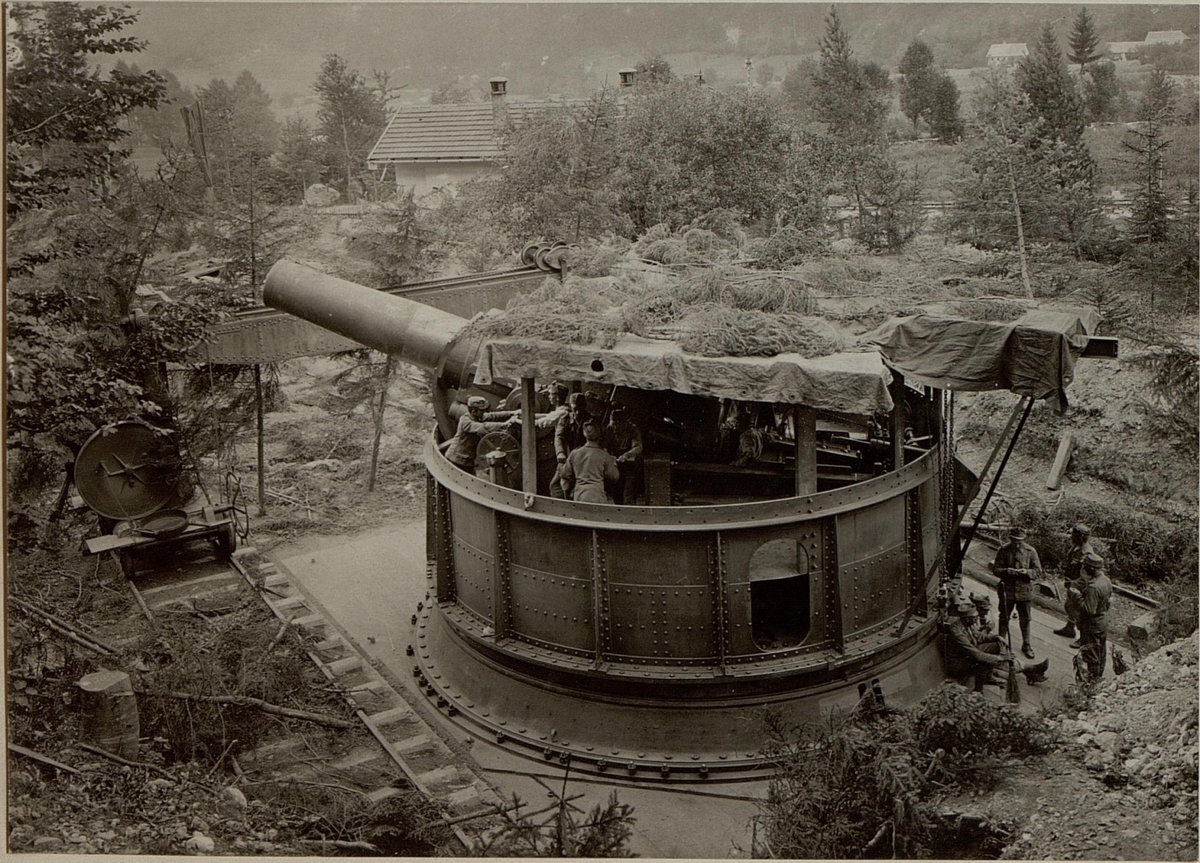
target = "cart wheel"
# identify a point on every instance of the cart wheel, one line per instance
(226, 542)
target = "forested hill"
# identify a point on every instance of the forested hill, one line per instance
(574, 46)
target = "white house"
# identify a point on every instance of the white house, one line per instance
(1006, 53)
(432, 146)
(1165, 37)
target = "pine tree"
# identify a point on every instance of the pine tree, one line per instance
(1158, 100)
(1044, 78)
(299, 155)
(1102, 92)
(918, 82)
(1149, 220)
(848, 96)
(944, 120)
(1083, 40)
(350, 118)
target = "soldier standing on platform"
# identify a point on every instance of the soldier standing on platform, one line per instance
(1091, 603)
(1081, 547)
(1016, 565)
(568, 436)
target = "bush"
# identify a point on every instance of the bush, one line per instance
(1139, 549)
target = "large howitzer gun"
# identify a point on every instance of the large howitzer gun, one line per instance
(412, 332)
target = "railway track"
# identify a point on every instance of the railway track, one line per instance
(406, 751)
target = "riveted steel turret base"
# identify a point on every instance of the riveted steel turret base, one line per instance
(640, 738)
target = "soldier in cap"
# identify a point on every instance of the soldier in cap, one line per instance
(568, 436)
(473, 425)
(981, 656)
(1091, 604)
(590, 468)
(1072, 571)
(1016, 565)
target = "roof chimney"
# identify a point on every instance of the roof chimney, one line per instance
(627, 76)
(499, 87)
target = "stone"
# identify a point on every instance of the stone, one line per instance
(320, 195)
(107, 835)
(47, 843)
(200, 843)
(1109, 741)
(236, 797)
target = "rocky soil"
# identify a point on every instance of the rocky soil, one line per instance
(1122, 784)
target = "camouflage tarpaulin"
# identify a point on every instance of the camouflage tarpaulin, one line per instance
(1033, 356)
(854, 383)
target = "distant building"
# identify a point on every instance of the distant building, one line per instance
(1006, 53)
(1165, 37)
(1123, 50)
(432, 146)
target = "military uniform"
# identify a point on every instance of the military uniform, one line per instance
(1016, 565)
(970, 653)
(626, 445)
(585, 472)
(1072, 570)
(1092, 606)
(465, 442)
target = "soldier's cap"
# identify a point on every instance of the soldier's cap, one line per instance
(478, 402)
(1082, 528)
(1016, 533)
(981, 599)
(1091, 560)
(620, 411)
(966, 608)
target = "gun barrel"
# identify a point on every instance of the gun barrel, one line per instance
(410, 331)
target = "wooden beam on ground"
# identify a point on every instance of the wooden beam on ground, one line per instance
(804, 421)
(528, 437)
(1066, 446)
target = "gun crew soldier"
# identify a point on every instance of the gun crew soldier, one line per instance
(623, 439)
(979, 656)
(1081, 547)
(1092, 600)
(590, 468)
(473, 425)
(568, 437)
(1017, 566)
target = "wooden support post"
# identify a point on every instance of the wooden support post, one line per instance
(1066, 446)
(804, 422)
(528, 437)
(262, 477)
(899, 420)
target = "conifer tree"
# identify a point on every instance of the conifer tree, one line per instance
(1083, 40)
(350, 117)
(918, 82)
(847, 95)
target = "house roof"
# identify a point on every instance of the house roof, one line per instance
(1167, 37)
(450, 133)
(1008, 49)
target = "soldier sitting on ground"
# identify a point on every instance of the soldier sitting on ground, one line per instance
(979, 657)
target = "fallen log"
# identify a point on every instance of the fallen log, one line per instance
(29, 607)
(258, 704)
(1066, 447)
(41, 759)
(64, 629)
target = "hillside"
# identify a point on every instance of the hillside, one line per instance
(571, 48)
